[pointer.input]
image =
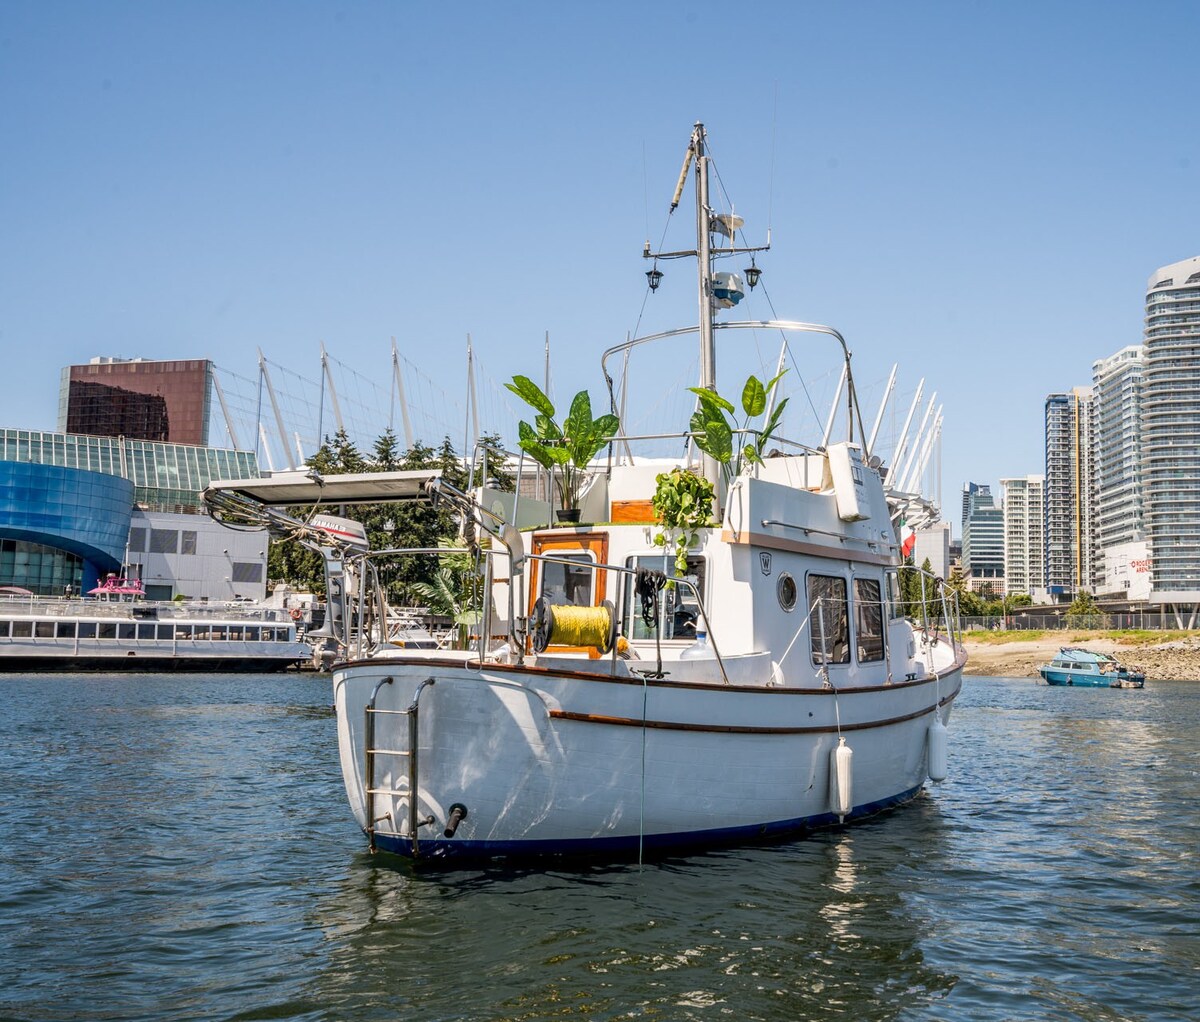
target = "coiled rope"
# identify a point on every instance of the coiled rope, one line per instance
(574, 626)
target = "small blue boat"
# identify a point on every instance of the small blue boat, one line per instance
(1083, 667)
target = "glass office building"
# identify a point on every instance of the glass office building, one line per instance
(166, 477)
(982, 540)
(168, 401)
(67, 501)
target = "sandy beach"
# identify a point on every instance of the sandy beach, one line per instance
(1174, 660)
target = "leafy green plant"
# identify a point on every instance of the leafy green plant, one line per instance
(714, 430)
(683, 504)
(569, 447)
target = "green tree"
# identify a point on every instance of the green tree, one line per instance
(917, 588)
(1084, 612)
(384, 454)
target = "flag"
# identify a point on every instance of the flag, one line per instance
(908, 540)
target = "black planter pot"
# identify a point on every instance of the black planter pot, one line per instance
(567, 514)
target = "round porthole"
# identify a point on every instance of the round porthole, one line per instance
(786, 590)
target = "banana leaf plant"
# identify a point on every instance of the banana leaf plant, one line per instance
(569, 448)
(714, 431)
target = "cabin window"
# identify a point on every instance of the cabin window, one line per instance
(786, 591)
(678, 609)
(829, 619)
(183, 631)
(568, 584)
(146, 631)
(126, 631)
(166, 631)
(895, 611)
(868, 620)
(108, 629)
(64, 630)
(87, 629)
(251, 634)
(4, 626)
(22, 629)
(44, 629)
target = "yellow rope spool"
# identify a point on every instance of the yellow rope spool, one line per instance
(574, 626)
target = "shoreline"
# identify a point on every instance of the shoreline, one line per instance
(1174, 660)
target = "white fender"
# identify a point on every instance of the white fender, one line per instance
(841, 780)
(937, 749)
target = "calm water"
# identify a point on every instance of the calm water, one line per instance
(179, 847)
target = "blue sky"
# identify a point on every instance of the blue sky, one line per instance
(977, 191)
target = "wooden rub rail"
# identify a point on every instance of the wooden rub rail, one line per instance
(739, 729)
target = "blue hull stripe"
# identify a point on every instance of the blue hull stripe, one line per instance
(441, 850)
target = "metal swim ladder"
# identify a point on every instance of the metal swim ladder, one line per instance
(409, 794)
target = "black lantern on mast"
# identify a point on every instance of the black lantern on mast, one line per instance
(752, 274)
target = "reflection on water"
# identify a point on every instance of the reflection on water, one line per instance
(788, 931)
(177, 847)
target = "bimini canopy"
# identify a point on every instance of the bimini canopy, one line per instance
(310, 488)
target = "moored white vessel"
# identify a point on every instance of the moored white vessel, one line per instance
(622, 701)
(117, 630)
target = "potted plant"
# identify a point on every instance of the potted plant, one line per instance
(714, 432)
(683, 505)
(569, 447)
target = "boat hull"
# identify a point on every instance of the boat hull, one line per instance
(1084, 680)
(553, 764)
(139, 663)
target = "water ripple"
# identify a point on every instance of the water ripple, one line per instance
(179, 848)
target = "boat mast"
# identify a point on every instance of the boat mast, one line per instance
(708, 348)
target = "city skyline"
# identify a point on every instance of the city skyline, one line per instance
(965, 191)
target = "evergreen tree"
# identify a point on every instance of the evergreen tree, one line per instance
(1084, 612)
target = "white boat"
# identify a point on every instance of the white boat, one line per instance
(115, 629)
(592, 718)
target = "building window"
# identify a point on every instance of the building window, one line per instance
(187, 542)
(164, 541)
(247, 571)
(137, 541)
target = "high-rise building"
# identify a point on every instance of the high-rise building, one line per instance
(1117, 520)
(983, 540)
(1069, 543)
(168, 402)
(1171, 432)
(1024, 534)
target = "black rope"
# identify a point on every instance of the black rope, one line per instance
(647, 585)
